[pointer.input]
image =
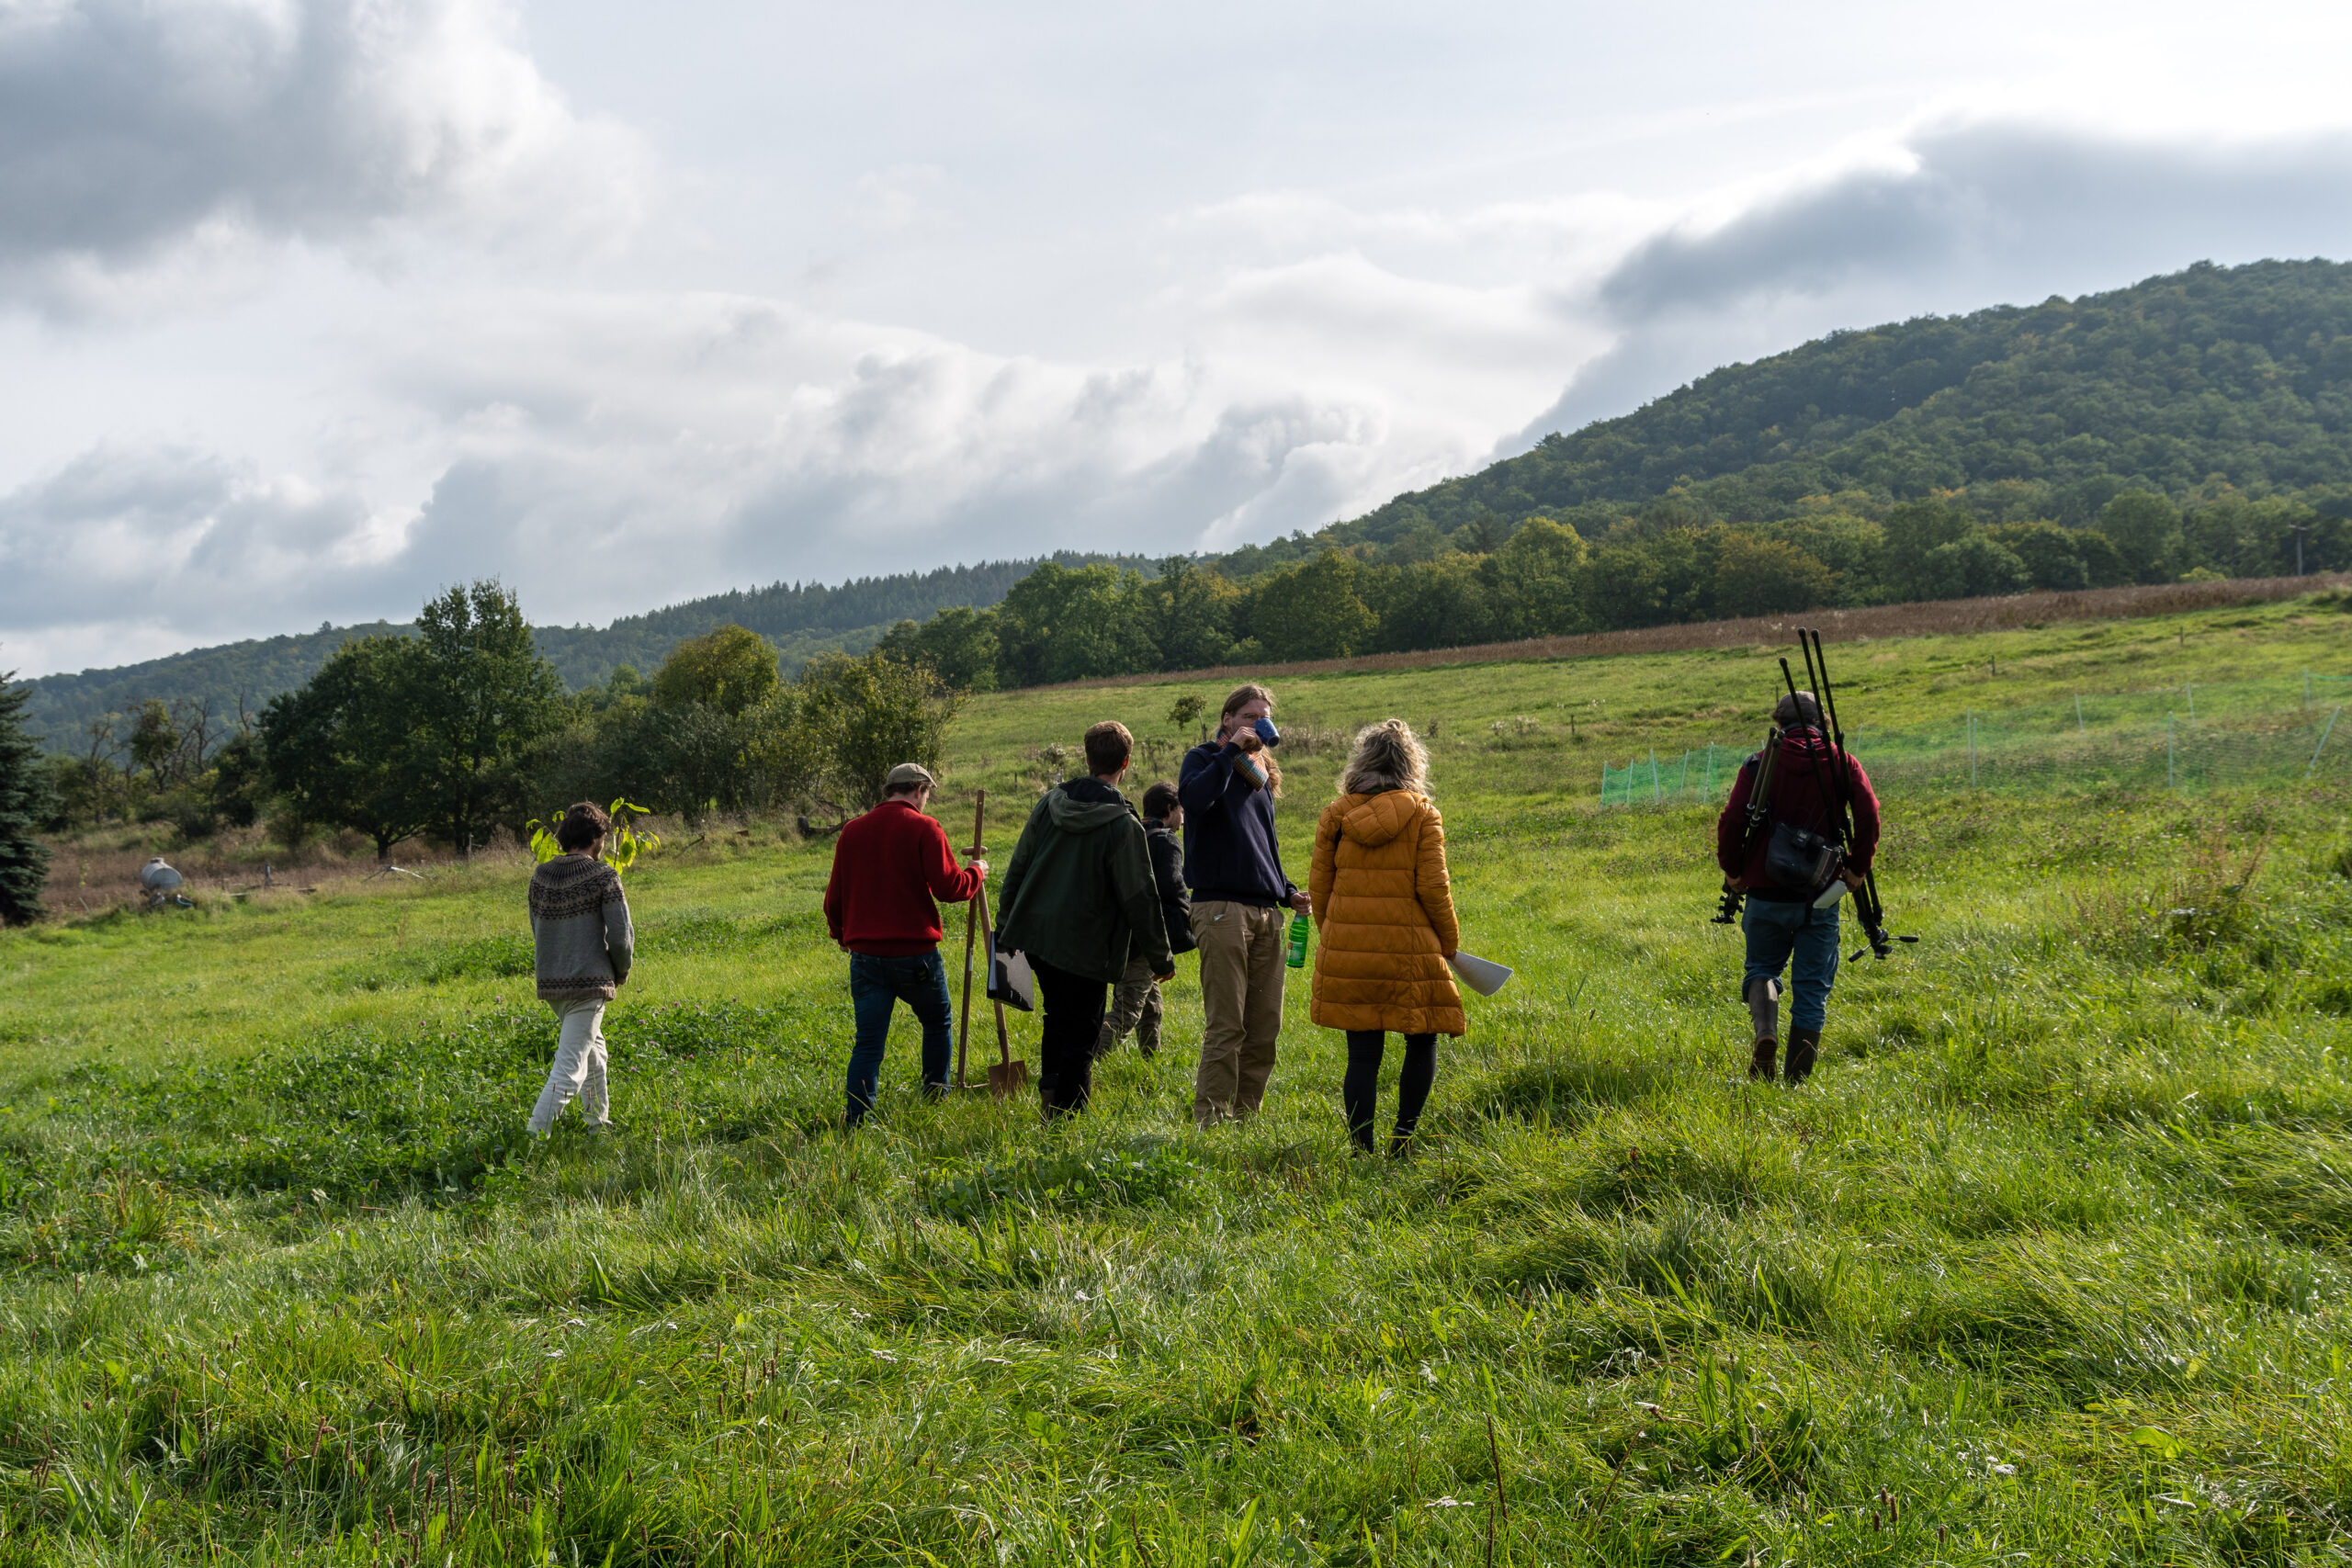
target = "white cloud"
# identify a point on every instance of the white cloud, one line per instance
(136, 136)
(125, 553)
(930, 287)
(681, 442)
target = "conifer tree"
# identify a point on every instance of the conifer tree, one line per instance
(24, 804)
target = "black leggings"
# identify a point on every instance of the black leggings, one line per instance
(1360, 1091)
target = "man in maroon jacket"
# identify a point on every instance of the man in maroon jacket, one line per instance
(888, 867)
(1782, 922)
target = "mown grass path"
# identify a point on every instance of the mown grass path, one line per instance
(2048, 1264)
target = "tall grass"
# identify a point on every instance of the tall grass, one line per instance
(2048, 1263)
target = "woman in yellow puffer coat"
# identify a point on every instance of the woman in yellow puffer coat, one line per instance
(1385, 907)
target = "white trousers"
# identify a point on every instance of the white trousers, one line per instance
(579, 1065)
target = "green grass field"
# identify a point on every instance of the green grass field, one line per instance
(2047, 1264)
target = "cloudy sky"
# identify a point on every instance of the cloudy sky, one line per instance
(309, 306)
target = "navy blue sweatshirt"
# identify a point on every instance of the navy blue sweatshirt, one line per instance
(1229, 849)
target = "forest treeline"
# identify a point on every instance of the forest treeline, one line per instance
(803, 620)
(1670, 561)
(465, 728)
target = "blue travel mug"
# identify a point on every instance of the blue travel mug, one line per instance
(1267, 732)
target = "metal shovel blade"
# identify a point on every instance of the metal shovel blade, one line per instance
(1008, 1078)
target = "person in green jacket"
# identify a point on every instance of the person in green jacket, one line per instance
(1080, 896)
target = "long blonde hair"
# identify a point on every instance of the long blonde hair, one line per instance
(1388, 756)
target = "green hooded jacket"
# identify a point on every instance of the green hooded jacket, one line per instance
(1080, 892)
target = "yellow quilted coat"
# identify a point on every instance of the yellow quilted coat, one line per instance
(1385, 909)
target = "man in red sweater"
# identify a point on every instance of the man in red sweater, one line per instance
(888, 867)
(1793, 928)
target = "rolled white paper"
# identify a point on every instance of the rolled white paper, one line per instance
(1483, 976)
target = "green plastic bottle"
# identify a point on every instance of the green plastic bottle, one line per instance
(1298, 926)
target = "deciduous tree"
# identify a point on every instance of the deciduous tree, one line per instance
(1532, 582)
(1915, 530)
(1312, 611)
(342, 748)
(958, 643)
(1761, 576)
(482, 695)
(727, 669)
(397, 736)
(864, 716)
(1189, 613)
(2146, 531)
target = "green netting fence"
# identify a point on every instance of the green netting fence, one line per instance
(2191, 739)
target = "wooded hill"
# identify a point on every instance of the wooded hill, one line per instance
(2240, 375)
(2189, 427)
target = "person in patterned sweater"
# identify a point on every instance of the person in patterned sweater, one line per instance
(582, 944)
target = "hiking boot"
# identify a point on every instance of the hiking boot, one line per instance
(1805, 1044)
(1760, 1061)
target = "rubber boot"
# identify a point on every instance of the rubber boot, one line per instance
(1764, 1008)
(1805, 1044)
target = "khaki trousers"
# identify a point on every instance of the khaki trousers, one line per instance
(1241, 995)
(579, 1065)
(1135, 1004)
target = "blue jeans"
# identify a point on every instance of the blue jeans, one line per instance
(875, 985)
(1778, 933)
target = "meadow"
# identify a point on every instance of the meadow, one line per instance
(2047, 1263)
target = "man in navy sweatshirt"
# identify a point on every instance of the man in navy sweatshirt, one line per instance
(1240, 897)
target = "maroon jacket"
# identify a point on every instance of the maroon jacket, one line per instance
(888, 867)
(1804, 785)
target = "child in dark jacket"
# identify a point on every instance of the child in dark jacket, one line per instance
(1134, 1005)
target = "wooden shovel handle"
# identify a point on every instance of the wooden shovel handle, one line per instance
(1003, 1038)
(972, 907)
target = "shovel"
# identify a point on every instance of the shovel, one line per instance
(971, 935)
(1006, 1077)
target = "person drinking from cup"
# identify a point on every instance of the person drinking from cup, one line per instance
(1227, 787)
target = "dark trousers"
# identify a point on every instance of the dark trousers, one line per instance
(1073, 1006)
(876, 986)
(1360, 1091)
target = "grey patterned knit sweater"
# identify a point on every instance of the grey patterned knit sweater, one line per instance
(580, 930)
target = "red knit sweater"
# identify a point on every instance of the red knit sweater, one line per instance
(888, 867)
